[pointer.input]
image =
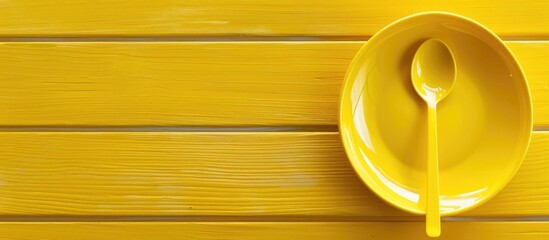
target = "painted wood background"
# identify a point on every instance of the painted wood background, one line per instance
(218, 120)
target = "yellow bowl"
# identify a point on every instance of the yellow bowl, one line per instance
(484, 125)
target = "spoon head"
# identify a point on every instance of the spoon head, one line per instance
(433, 71)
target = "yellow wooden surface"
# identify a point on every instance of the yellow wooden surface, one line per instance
(303, 175)
(271, 230)
(80, 69)
(510, 18)
(194, 83)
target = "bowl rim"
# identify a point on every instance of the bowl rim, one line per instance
(355, 63)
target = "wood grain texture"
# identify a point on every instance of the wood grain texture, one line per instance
(194, 83)
(171, 83)
(511, 18)
(536, 69)
(301, 175)
(271, 230)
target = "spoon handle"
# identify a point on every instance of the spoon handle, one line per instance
(433, 204)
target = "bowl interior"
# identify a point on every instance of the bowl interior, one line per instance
(484, 125)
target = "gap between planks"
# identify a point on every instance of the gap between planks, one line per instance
(212, 129)
(217, 129)
(270, 230)
(227, 39)
(418, 218)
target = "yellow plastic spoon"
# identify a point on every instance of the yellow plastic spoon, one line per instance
(433, 77)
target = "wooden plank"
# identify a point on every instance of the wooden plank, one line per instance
(270, 230)
(253, 18)
(534, 59)
(302, 175)
(194, 83)
(171, 83)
